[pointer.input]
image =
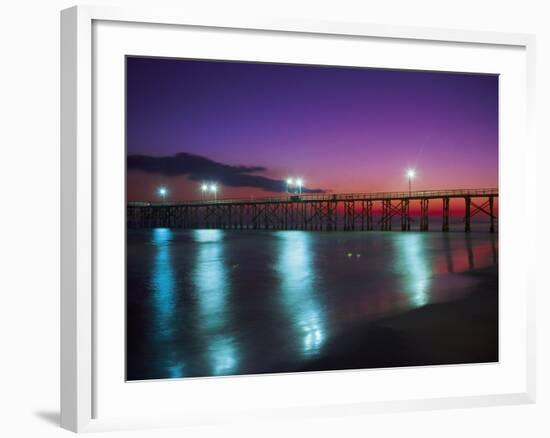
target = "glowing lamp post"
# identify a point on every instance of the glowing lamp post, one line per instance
(289, 183)
(299, 184)
(294, 182)
(204, 189)
(162, 192)
(214, 189)
(410, 174)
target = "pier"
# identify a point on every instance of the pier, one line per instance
(316, 212)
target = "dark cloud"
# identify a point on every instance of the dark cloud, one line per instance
(199, 168)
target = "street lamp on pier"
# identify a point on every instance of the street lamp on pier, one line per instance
(289, 182)
(214, 189)
(299, 184)
(410, 174)
(204, 189)
(162, 192)
(294, 182)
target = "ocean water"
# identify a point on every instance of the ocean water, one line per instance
(225, 302)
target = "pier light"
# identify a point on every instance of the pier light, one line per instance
(289, 182)
(204, 190)
(410, 174)
(162, 192)
(298, 183)
(214, 189)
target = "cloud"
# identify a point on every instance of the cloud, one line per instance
(199, 168)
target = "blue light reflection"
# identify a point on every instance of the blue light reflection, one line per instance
(163, 285)
(211, 283)
(296, 272)
(414, 265)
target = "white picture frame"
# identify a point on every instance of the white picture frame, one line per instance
(79, 198)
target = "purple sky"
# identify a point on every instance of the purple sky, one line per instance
(341, 129)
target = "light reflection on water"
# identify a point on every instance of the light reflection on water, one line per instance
(162, 282)
(210, 278)
(414, 265)
(297, 278)
(211, 287)
(217, 302)
(163, 288)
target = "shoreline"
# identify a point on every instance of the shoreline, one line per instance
(454, 332)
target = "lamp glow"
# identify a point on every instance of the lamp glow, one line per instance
(214, 189)
(162, 192)
(296, 183)
(410, 174)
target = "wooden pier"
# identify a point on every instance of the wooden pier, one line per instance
(325, 212)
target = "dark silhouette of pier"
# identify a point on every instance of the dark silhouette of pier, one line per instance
(321, 212)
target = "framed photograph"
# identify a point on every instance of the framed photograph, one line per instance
(282, 218)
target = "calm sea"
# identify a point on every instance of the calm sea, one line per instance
(220, 302)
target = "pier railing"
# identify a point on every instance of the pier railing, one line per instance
(328, 212)
(376, 196)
